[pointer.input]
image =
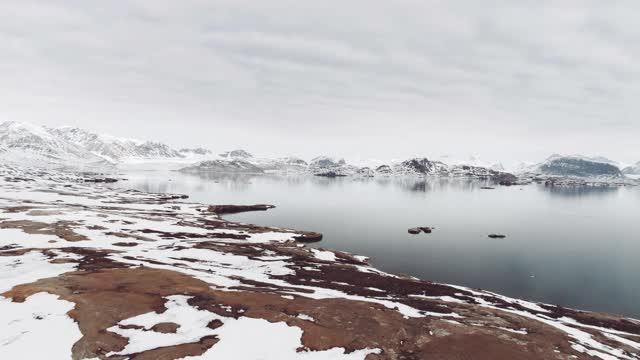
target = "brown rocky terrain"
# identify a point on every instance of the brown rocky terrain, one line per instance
(153, 276)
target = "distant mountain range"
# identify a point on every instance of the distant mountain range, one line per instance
(632, 170)
(30, 144)
(26, 143)
(35, 145)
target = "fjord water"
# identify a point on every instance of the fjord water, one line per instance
(575, 247)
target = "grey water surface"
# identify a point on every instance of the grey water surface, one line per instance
(575, 247)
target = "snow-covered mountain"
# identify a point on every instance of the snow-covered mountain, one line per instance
(223, 166)
(285, 164)
(420, 166)
(632, 170)
(331, 166)
(471, 160)
(236, 154)
(578, 166)
(26, 143)
(195, 151)
(113, 148)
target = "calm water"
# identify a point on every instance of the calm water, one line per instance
(576, 247)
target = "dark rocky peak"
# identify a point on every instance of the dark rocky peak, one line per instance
(420, 165)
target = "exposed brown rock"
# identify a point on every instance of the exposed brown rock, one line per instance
(104, 298)
(61, 229)
(166, 328)
(232, 209)
(308, 237)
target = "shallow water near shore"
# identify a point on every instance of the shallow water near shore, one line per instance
(576, 247)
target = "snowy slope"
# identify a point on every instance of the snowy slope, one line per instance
(632, 170)
(578, 166)
(26, 143)
(223, 166)
(113, 148)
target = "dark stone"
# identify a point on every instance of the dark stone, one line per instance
(505, 179)
(232, 209)
(497, 236)
(101, 180)
(418, 230)
(308, 237)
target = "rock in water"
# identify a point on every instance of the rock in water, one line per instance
(418, 230)
(330, 174)
(497, 236)
(505, 179)
(308, 237)
(232, 209)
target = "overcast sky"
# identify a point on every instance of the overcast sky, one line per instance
(372, 79)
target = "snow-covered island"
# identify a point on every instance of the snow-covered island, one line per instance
(92, 272)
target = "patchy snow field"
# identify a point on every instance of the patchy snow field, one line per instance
(87, 271)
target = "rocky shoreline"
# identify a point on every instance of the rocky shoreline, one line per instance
(122, 274)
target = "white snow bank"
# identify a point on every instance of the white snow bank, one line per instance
(38, 328)
(30, 267)
(324, 255)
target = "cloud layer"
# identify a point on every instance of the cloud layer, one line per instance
(360, 78)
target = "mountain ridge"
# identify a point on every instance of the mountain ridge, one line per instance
(72, 146)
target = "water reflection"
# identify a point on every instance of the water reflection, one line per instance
(581, 191)
(555, 251)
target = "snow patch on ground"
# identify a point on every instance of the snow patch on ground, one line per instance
(38, 328)
(324, 255)
(27, 268)
(268, 340)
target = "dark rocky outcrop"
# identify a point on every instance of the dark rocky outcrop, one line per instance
(419, 165)
(505, 179)
(308, 237)
(233, 209)
(101, 180)
(330, 174)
